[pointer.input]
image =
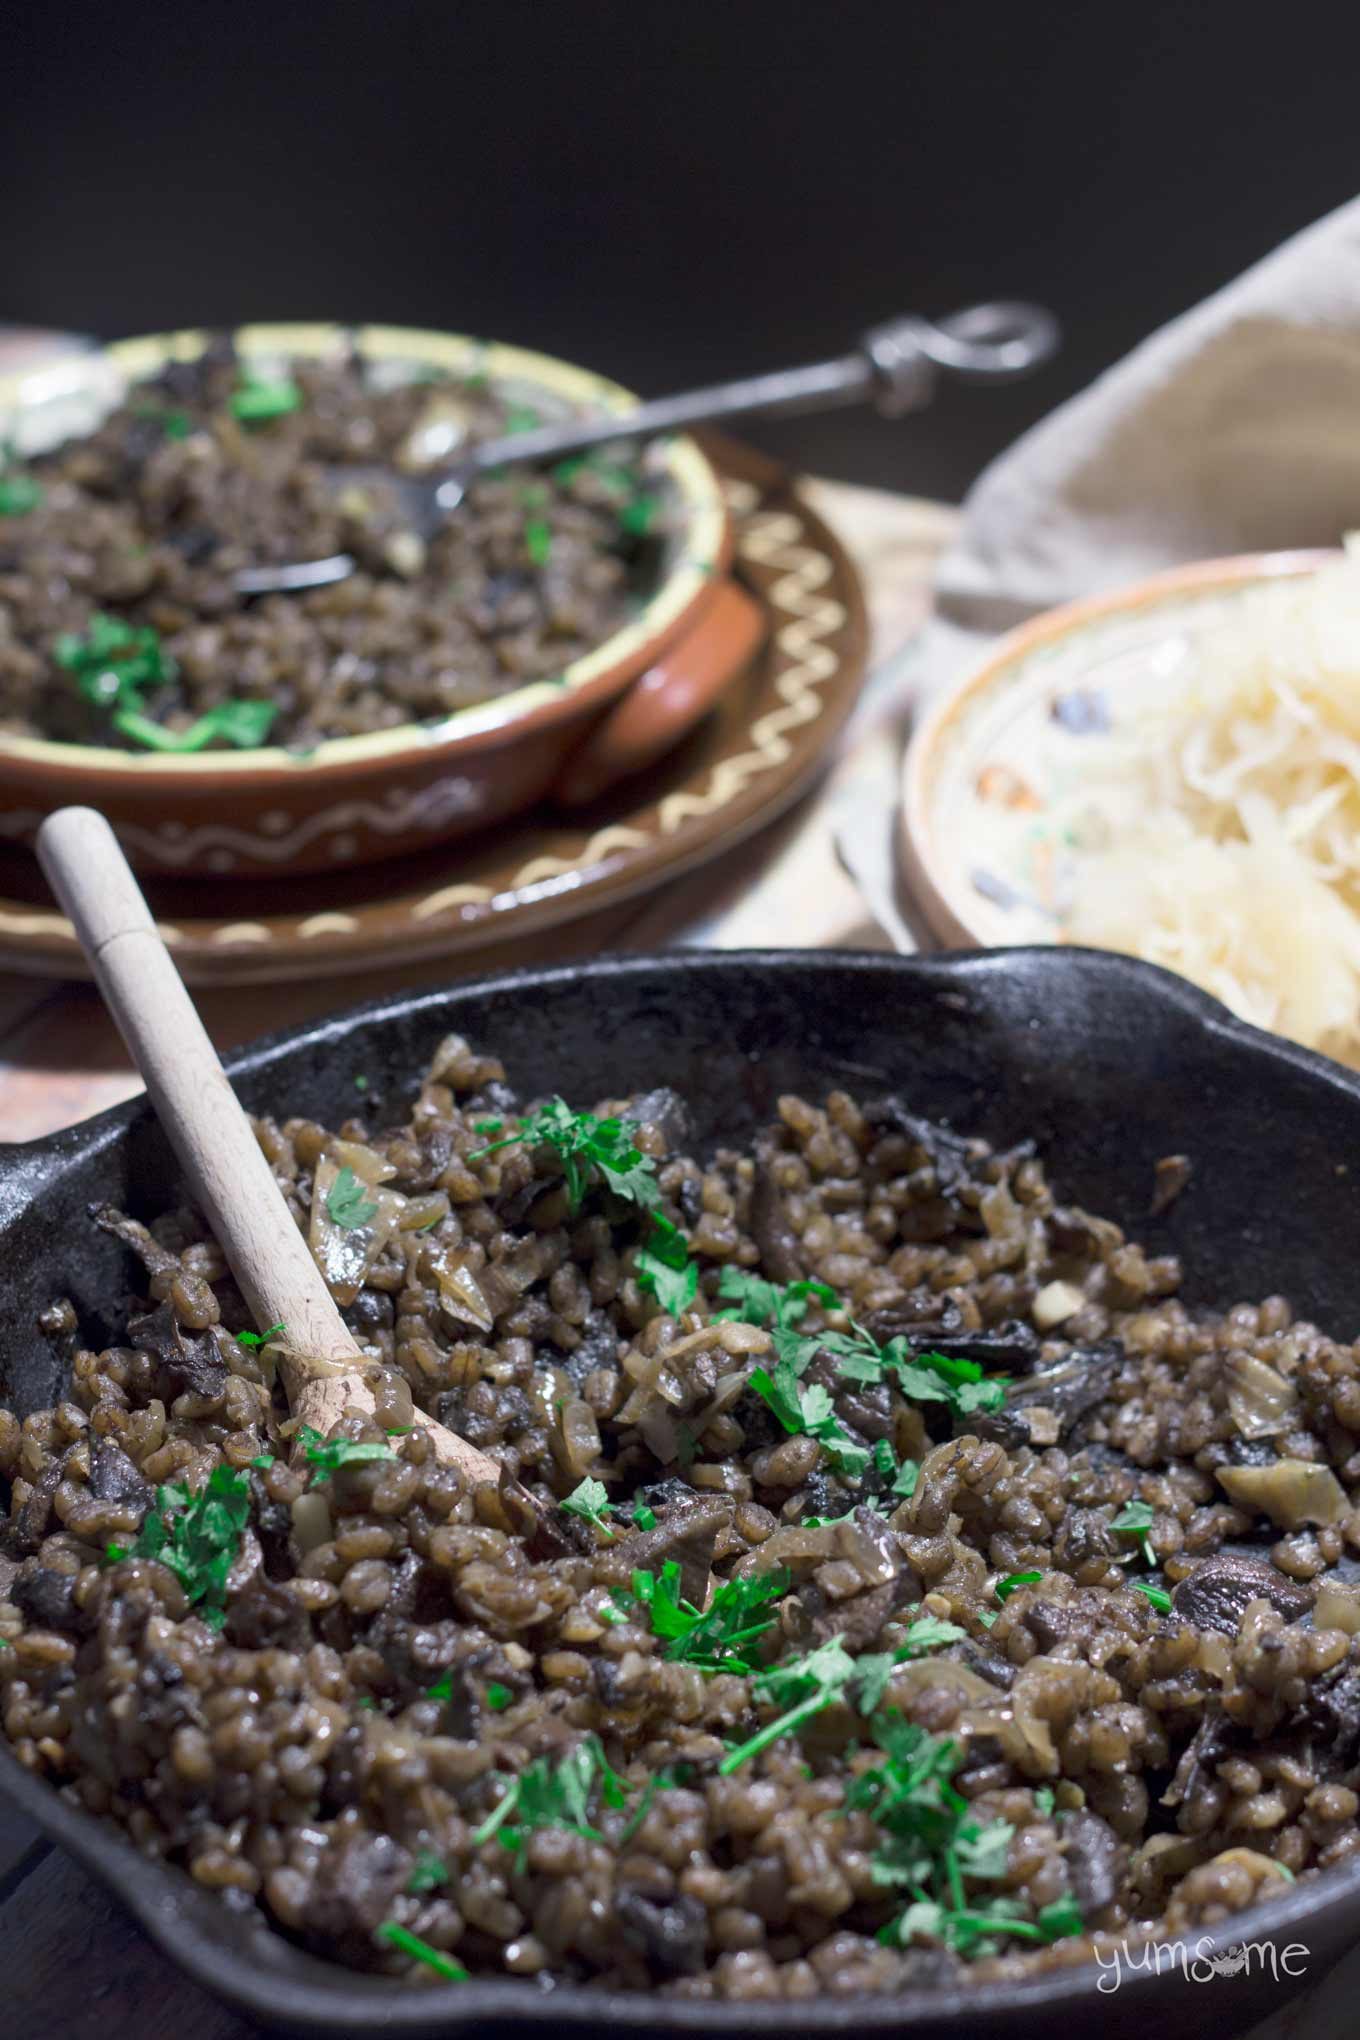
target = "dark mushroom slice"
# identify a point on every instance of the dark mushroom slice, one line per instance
(1049, 1405)
(1218, 1592)
(1095, 1861)
(193, 1360)
(671, 1932)
(772, 1229)
(687, 1534)
(114, 1478)
(1014, 1346)
(667, 1111)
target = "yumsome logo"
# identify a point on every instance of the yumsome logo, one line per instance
(1197, 1965)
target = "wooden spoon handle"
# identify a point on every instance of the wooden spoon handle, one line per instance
(205, 1124)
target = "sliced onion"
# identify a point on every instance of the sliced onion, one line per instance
(344, 1254)
(1292, 1492)
(1261, 1401)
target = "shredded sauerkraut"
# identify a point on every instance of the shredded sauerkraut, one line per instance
(1219, 829)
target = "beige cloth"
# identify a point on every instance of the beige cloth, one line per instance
(1234, 429)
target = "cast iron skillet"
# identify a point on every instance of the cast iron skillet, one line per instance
(1109, 1063)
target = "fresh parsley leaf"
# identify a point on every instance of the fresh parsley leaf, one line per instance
(348, 1203)
(809, 1410)
(673, 1288)
(713, 1639)
(442, 1689)
(522, 418)
(904, 1480)
(538, 540)
(830, 1674)
(1043, 1800)
(1005, 1588)
(591, 1500)
(328, 1455)
(197, 1537)
(498, 1697)
(261, 1338)
(395, 1936)
(644, 1517)
(112, 661)
(585, 1144)
(427, 1875)
(636, 517)
(259, 399)
(19, 493)
(1158, 1596)
(1135, 1520)
(554, 1793)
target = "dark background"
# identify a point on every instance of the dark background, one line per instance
(671, 194)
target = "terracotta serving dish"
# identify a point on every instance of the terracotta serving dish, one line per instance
(356, 799)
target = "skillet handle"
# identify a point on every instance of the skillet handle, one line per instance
(666, 701)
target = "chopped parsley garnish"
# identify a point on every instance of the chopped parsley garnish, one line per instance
(196, 1537)
(113, 661)
(348, 1203)
(538, 540)
(806, 1685)
(522, 418)
(428, 1873)
(411, 1944)
(644, 1517)
(261, 1338)
(664, 1269)
(1005, 1588)
(498, 1697)
(591, 1500)
(361, 1083)
(554, 1794)
(809, 1410)
(259, 399)
(933, 1841)
(442, 1689)
(1044, 1801)
(243, 724)
(1135, 1520)
(1158, 1596)
(328, 1455)
(636, 517)
(712, 1639)
(584, 1143)
(174, 424)
(19, 493)
(921, 1377)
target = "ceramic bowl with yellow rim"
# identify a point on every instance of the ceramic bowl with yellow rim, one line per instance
(254, 813)
(999, 771)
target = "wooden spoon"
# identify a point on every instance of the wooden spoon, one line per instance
(322, 1366)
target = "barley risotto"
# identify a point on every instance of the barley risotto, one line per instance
(926, 1591)
(119, 622)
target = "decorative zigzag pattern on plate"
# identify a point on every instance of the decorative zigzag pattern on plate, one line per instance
(769, 539)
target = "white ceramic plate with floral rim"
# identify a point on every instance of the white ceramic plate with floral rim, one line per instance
(993, 781)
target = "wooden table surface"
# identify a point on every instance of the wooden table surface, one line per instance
(72, 1967)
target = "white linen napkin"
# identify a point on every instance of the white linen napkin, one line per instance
(1234, 429)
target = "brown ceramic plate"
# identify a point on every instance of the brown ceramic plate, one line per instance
(750, 758)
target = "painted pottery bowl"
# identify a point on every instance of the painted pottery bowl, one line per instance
(352, 800)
